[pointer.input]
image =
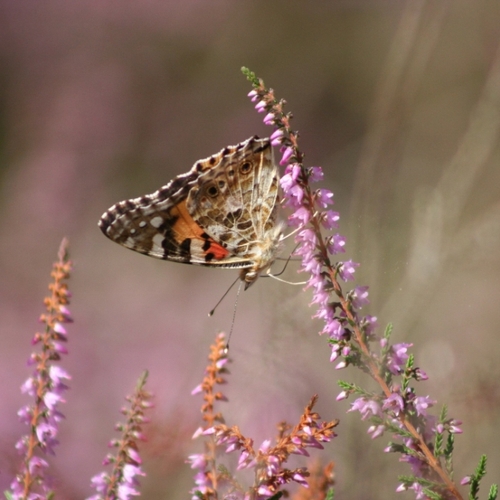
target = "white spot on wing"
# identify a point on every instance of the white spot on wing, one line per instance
(157, 222)
(157, 242)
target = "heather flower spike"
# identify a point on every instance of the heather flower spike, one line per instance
(215, 481)
(396, 408)
(46, 386)
(122, 482)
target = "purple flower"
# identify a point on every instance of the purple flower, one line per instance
(261, 106)
(347, 270)
(299, 217)
(253, 95)
(369, 324)
(376, 430)
(324, 197)
(397, 357)
(366, 407)
(342, 395)
(395, 403)
(333, 327)
(287, 154)
(197, 461)
(289, 180)
(316, 174)
(330, 219)
(422, 403)
(299, 478)
(360, 297)
(295, 196)
(336, 244)
(276, 137)
(454, 427)
(269, 119)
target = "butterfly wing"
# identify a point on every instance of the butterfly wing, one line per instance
(236, 202)
(168, 224)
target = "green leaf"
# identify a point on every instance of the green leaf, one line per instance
(251, 76)
(432, 494)
(492, 495)
(443, 414)
(330, 494)
(388, 331)
(475, 478)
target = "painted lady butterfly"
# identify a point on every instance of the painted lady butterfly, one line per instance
(222, 213)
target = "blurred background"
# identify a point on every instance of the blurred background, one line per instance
(399, 101)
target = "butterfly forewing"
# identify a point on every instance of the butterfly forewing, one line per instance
(220, 213)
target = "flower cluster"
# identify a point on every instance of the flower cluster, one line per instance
(122, 482)
(312, 213)
(206, 478)
(46, 386)
(395, 408)
(268, 461)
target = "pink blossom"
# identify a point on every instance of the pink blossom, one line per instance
(316, 174)
(360, 296)
(324, 197)
(300, 217)
(336, 244)
(276, 137)
(261, 106)
(347, 270)
(287, 154)
(330, 219)
(422, 403)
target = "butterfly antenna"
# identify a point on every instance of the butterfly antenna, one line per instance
(211, 313)
(234, 316)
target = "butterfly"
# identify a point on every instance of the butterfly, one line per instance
(222, 213)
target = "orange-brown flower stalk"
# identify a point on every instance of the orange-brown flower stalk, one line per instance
(46, 386)
(267, 461)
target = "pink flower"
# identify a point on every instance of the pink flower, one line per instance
(316, 174)
(330, 219)
(336, 244)
(347, 270)
(360, 296)
(324, 197)
(422, 403)
(276, 137)
(261, 106)
(300, 217)
(269, 119)
(287, 154)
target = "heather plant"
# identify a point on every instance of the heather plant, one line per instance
(122, 481)
(266, 462)
(46, 387)
(424, 441)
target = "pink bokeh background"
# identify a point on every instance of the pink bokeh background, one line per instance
(102, 101)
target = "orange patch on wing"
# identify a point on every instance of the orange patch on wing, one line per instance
(218, 251)
(186, 227)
